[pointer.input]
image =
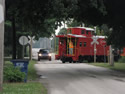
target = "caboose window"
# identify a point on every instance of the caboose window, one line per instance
(82, 32)
(80, 44)
(92, 32)
(87, 32)
(84, 44)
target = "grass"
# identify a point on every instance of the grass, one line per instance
(30, 87)
(23, 88)
(117, 66)
(31, 71)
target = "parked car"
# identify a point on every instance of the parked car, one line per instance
(44, 54)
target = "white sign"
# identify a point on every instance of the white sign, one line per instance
(20, 65)
(23, 40)
(31, 39)
(95, 40)
(1, 14)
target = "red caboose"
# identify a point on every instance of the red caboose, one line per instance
(83, 48)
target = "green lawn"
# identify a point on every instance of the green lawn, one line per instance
(23, 88)
(117, 66)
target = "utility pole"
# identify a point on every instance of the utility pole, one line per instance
(95, 38)
(95, 47)
(94, 52)
(31, 41)
(2, 4)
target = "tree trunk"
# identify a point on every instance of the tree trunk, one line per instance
(2, 3)
(19, 52)
(14, 37)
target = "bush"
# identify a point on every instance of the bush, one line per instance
(13, 74)
(122, 59)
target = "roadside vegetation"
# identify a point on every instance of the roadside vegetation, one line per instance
(31, 71)
(13, 80)
(119, 66)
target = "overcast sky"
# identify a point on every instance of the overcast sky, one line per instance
(57, 30)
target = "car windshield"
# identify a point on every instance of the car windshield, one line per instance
(44, 51)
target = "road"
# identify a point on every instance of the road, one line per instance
(79, 78)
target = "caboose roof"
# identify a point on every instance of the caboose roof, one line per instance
(72, 35)
(79, 36)
(86, 28)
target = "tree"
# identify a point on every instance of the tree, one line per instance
(41, 18)
(91, 12)
(115, 19)
(62, 31)
(74, 23)
(31, 17)
(8, 39)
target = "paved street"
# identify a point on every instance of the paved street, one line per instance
(79, 78)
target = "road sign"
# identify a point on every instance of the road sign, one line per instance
(31, 39)
(94, 40)
(23, 40)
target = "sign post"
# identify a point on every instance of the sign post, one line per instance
(23, 40)
(103, 43)
(31, 41)
(95, 42)
(2, 3)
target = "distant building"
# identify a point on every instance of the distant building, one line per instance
(44, 43)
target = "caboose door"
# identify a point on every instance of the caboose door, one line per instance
(71, 46)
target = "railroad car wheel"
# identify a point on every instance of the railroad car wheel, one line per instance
(63, 61)
(74, 61)
(80, 59)
(70, 61)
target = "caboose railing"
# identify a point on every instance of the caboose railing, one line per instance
(69, 39)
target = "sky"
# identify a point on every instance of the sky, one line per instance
(58, 29)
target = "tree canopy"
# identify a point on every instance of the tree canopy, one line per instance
(42, 17)
(115, 20)
(38, 16)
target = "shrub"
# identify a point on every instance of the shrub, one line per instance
(13, 74)
(122, 59)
